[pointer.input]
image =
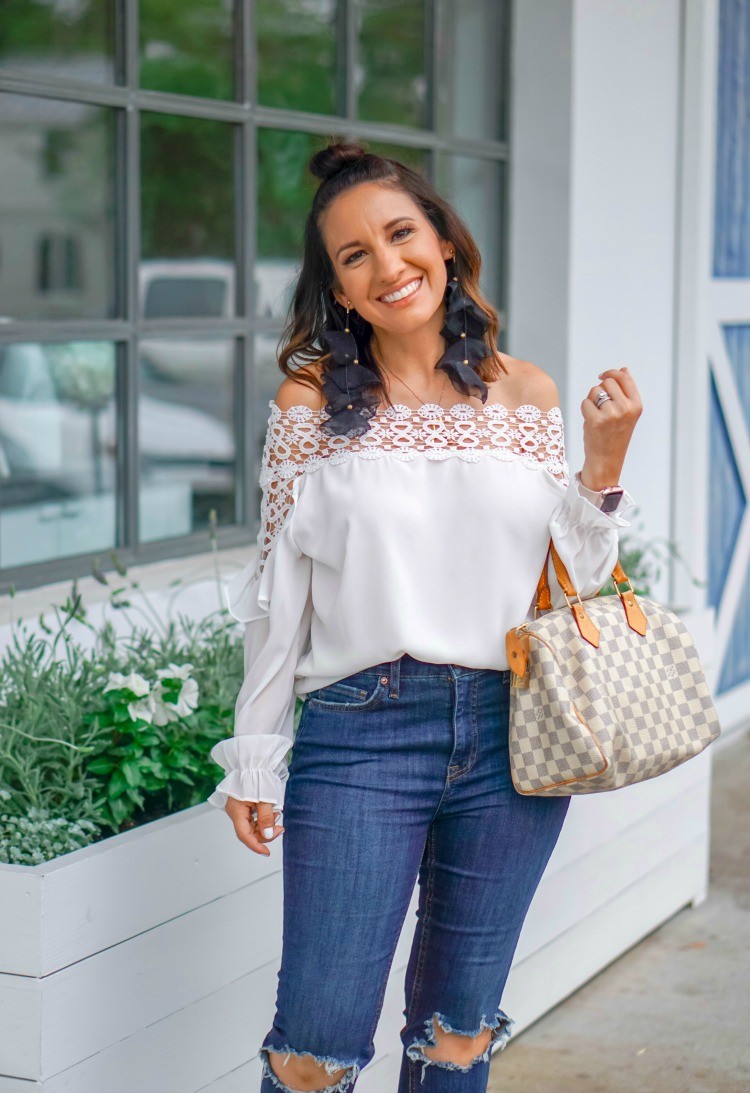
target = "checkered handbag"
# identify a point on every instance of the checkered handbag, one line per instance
(604, 692)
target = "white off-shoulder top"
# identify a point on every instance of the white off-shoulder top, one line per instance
(424, 535)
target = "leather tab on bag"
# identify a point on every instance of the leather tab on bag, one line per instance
(517, 651)
(587, 628)
(634, 612)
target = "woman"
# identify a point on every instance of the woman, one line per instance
(412, 476)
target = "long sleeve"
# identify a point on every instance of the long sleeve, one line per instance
(586, 538)
(271, 596)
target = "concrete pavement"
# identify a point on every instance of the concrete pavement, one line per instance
(672, 1015)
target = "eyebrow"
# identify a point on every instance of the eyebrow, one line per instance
(356, 243)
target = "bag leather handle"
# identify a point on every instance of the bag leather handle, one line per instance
(588, 630)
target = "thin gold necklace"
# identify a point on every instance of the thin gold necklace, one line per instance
(423, 401)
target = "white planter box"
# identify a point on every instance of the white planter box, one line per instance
(149, 961)
(121, 964)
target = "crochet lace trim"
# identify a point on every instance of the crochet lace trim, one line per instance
(295, 444)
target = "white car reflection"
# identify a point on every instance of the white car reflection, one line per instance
(203, 288)
(68, 448)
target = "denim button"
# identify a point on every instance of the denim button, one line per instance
(384, 679)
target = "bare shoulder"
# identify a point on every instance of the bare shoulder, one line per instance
(294, 392)
(526, 384)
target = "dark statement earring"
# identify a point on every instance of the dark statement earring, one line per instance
(464, 328)
(345, 379)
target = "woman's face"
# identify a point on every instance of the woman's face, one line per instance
(388, 260)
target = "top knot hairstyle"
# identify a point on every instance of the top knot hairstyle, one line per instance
(351, 379)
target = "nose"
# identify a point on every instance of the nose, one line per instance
(389, 269)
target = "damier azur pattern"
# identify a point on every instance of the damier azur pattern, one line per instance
(598, 719)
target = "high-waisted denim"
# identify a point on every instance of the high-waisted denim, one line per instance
(401, 773)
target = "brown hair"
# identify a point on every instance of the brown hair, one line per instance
(341, 165)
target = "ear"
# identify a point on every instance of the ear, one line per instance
(339, 294)
(448, 250)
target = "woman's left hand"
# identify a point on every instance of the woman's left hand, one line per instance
(608, 429)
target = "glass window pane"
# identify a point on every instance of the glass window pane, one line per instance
(56, 209)
(285, 193)
(475, 187)
(187, 218)
(187, 47)
(186, 436)
(472, 66)
(297, 54)
(58, 38)
(391, 77)
(417, 158)
(57, 450)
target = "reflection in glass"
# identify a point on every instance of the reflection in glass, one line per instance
(187, 217)
(187, 47)
(391, 79)
(59, 38)
(285, 192)
(186, 436)
(474, 186)
(57, 450)
(417, 158)
(473, 80)
(297, 54)
(56, 209)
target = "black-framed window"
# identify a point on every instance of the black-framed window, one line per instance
(153, 159)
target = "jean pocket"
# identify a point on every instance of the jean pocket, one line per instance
(360, 694)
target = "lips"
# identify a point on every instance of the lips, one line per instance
(403, 292)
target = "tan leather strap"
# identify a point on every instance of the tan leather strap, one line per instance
(633, 611)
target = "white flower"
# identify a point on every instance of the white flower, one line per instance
(143, 710)
(175, 671)
(166, 710)
(135, 683)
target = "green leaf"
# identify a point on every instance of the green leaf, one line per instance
(100, 766)
(117, 784)
(131, 774)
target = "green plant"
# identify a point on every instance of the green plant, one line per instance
(33, 839)
(643, 560)
(98, 740)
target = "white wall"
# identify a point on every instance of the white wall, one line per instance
(623, 223)
(593, 213)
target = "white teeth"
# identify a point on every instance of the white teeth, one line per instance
(402, 292)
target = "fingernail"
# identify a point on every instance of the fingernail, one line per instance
(267, 832)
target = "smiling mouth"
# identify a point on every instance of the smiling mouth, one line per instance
(401, 293)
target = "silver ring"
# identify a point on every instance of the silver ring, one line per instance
(601, 397)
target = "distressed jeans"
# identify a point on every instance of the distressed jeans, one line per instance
(400, 773)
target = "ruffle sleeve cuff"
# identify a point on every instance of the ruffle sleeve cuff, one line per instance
(256, 769)
(582, 509)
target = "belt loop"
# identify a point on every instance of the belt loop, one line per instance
(395, 678)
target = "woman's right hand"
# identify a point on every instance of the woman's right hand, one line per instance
(249, 829)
